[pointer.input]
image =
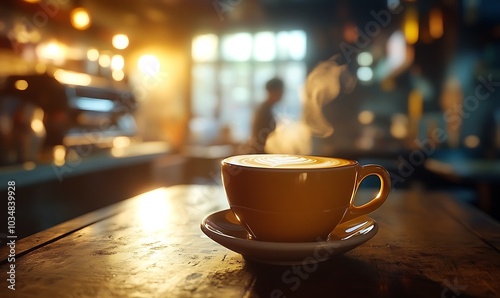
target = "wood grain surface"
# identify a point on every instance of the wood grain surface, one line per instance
(152, 246)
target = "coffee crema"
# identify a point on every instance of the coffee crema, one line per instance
(286, 161)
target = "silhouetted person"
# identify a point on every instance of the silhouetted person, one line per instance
(263, 121)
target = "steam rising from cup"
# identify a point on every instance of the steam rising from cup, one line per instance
(323, 85)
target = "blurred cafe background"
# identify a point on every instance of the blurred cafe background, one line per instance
(101, 100)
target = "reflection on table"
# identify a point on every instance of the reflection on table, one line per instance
(428, 245)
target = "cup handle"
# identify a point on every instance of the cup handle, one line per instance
(385, 187)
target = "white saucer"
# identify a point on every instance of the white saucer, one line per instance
(224, 228)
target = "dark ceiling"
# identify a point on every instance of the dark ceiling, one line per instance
(144, 20)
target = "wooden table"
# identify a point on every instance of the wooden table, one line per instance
(483, 173)
(151, 246)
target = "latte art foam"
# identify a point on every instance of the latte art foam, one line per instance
(282, 161)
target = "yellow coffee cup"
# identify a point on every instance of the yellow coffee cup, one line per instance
(297, 198)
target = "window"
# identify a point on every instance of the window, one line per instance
(230, 71)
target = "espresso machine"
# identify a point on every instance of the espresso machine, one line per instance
(40, 111)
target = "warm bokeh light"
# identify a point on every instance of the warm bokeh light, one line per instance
(411, 25)
(53, 51)
(117, 62)
(93, 54)
(399, 126)
(72, 78)
(29, 165)
(366, 142)
(120, 41)
(204, 48)
(415, 104)
(59, 155)
(80, 18)
(118, 75)
(436, 23)
(37, 126)
(21, 33)
(40, 68)
(75, 53)
(149, 65)
(350, 32)
(121, 142)
(399, 131)
(21, 85)
(104, 60)
(472, 141)
(37, 123)
(366, 117)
